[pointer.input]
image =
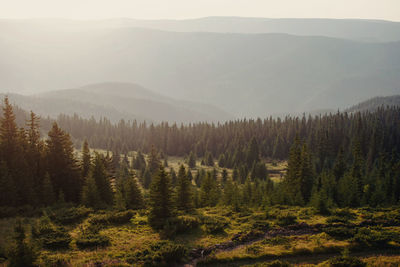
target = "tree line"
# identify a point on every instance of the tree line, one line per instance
(333, 160)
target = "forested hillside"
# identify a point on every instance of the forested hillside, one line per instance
(349, 159)
(375, 103)
(246, 75)
(116, 101)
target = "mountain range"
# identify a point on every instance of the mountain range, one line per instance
(117, 101)
(205, 68)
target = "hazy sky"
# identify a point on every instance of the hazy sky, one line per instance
(181, 9)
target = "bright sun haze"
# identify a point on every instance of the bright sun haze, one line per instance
(182, 9)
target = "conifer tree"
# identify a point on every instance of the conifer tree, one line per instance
(183, 191)
(62, 165)
(154, 161)
(192, 160)
(86, 159)
(8, 190)
(48, 196)
(90, 193)
(103, 184)
(161, 199)
(133, 194)
(253, 153)
(147, 178)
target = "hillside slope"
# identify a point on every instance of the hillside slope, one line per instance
(118, 101)
(375, 103)
(248, 75)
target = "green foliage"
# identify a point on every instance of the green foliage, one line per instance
(374, 237)
(184, 201)
(284, 219)
(49, 235)
(161, 201)
(275, 263)
(68, 215)
(114, 217)
(214, 224)
(340, 232)
(21, 253)
(163, 253)
(90, 238)
(191, 160)
(346, 262)
(276, 241)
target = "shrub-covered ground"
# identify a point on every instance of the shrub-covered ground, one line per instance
(68, 236)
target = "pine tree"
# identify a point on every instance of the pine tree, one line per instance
(192, 160)
(161, 201)
(147, 179)
(90, 193)
(224, 176)
(8, 190)
(22, 253)
(133, 194)
(86, 159)
(139, 163)
(48, 196)
(253, 153)
(62, 165)
(183, 191)
(103, 184)
(209, 191)
(154, 161)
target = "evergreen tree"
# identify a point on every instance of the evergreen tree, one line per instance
(192, 160)
(103, 184)
(253, 153)
(62, 165)
(86, 159)
(90, 193)
(22, 253)
(147, 179)
(154, 161)
(133, 194)
(183, 191)
(161, 201)
(48, 196)
(8, 190)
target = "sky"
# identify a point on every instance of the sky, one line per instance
(184, 9)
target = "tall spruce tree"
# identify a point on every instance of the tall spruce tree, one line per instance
(62, 166)
(183, 191)
(161, 199)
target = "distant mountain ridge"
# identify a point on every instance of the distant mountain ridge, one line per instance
(375, 103)
(244, 74)
(118, 101)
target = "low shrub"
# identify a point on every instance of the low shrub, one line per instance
(121, 217)
(275, 241)
(187, 223)
(21, 252)
(346, 262)
(374, 237)
(50, 236)
(214, 224)
(340, 232)
(25, 211)
(261, 225)
(275, 263)
(344, 213)
(92, 240)
(285, 219)
(337, 219)
(253, 249)
(68, 215)
(90, 237)
(164, 253)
